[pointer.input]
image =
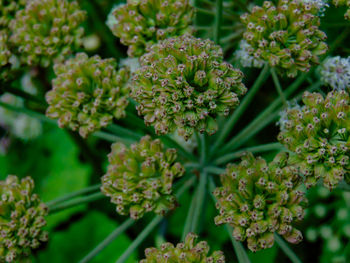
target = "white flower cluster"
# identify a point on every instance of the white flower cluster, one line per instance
(243, 55)
(20, 125)
(283, 120)
(335, 72)
(321, 4)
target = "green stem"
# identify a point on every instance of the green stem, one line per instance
(109, 239)
(189, 217)
(112, 138)
(24, 95)
(241, 109)
(75, 202)
(263, 119)
(214, 170)
(199, 201)
(72, 195)
(255, 149)
(241, 254)
(218, 19)
(286, 249)
(149, 228)
(278, 86)
(123, 132)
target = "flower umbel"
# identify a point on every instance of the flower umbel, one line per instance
(259, 198)
(335, 71)
(140, 177)
(140, 24)
(47, 30)
(184, 84)
(187, 252)
(286, 36)
(318, 134)
(88, 93)
(22, 216)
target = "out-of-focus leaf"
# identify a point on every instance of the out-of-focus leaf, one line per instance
(81, 237)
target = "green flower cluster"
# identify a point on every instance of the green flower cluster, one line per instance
(187, 252)
(88, 93)
(259, 198)
(22, 217)
(286, 36)
(343, 3)
(140, 24)
(140, 177)
(8, 9)
(184, 84)
(318, 134)
(46, 30)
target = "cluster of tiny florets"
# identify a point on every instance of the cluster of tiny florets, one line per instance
(184, 84)
(22, 217)
(259, 198)
(46, 30)
(343, 3)
(8, 9)
(140, 24)
(140, 177)
(88, 93)
(286, 36)
(318, 134)
(335, 72)
(187, 252)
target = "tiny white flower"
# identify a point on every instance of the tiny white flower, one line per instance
(335, 72)
(284, 114)
(321, 4)
(245, 57)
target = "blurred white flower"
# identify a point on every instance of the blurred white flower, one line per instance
(243, 55)
(132, 63)
(335, 72)
(321, 4)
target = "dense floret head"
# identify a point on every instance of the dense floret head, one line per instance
(22, 217)
(286, 36)
(186, 252)
(87, 93)
(183, 84)
(140, 177)
(259, 198)
(47, 30)
(142, 23)
(318, 135)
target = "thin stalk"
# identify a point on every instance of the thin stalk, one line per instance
(29, 112)
(109, 239)
(123, 132)
(241, 109)
(75, 202)
(232, 36)
(255, 149)
(278, 86)
(214, 170)
(286, 249)
(149, 228)
(111, 138)
(241, 254)
(239, 249)
(199, 200)
(203, 142)
(72, 195)
(188, 222)
(24, 95)
(170, 142)
(262, 120)
(218, 19)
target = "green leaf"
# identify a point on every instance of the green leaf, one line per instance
(81, 237)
